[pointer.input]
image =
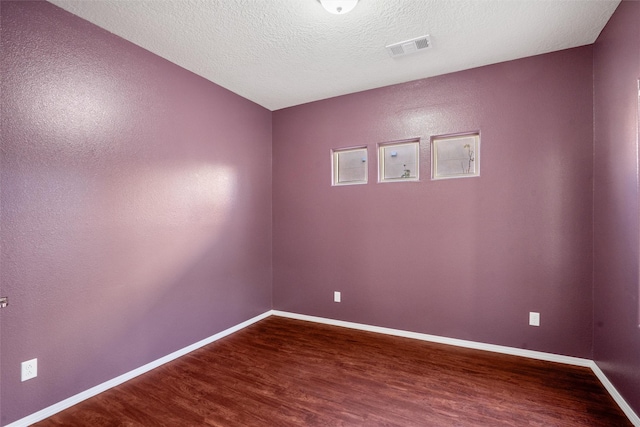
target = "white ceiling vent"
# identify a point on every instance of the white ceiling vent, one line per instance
(409, 46)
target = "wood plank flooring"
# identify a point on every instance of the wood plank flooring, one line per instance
(283, 372)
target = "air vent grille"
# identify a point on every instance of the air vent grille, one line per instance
(409, 46)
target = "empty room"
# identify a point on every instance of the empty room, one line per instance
(320, 213)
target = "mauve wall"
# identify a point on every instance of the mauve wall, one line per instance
(463, 258)
(616, 281)
(136, 206)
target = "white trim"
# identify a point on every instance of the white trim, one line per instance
(73, 400)
(549, 357)
(633, 417)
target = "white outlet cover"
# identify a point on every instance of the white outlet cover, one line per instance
(29, 369)
(534, 318)
(336, 296)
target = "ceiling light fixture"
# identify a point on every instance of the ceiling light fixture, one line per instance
(338, 7)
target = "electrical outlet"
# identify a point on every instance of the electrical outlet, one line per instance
(29, 369)
(336, 296)
(534, 318)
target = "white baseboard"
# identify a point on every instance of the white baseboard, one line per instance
(73, 400)
(550, 357)
(443, 340)
(633, 417)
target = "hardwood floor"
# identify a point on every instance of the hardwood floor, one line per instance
(283, 372)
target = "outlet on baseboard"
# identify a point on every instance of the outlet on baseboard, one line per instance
(29, 369)
(534, 318)
(336, 296)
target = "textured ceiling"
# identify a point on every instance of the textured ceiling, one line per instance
(280, 53)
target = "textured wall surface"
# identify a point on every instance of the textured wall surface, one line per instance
(136, 206)
(616, 281)
(463, 258)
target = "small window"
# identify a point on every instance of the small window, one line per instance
(349, 166)
(455, 156)
(398, 161)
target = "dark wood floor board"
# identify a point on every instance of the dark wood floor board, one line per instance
(284, 372)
